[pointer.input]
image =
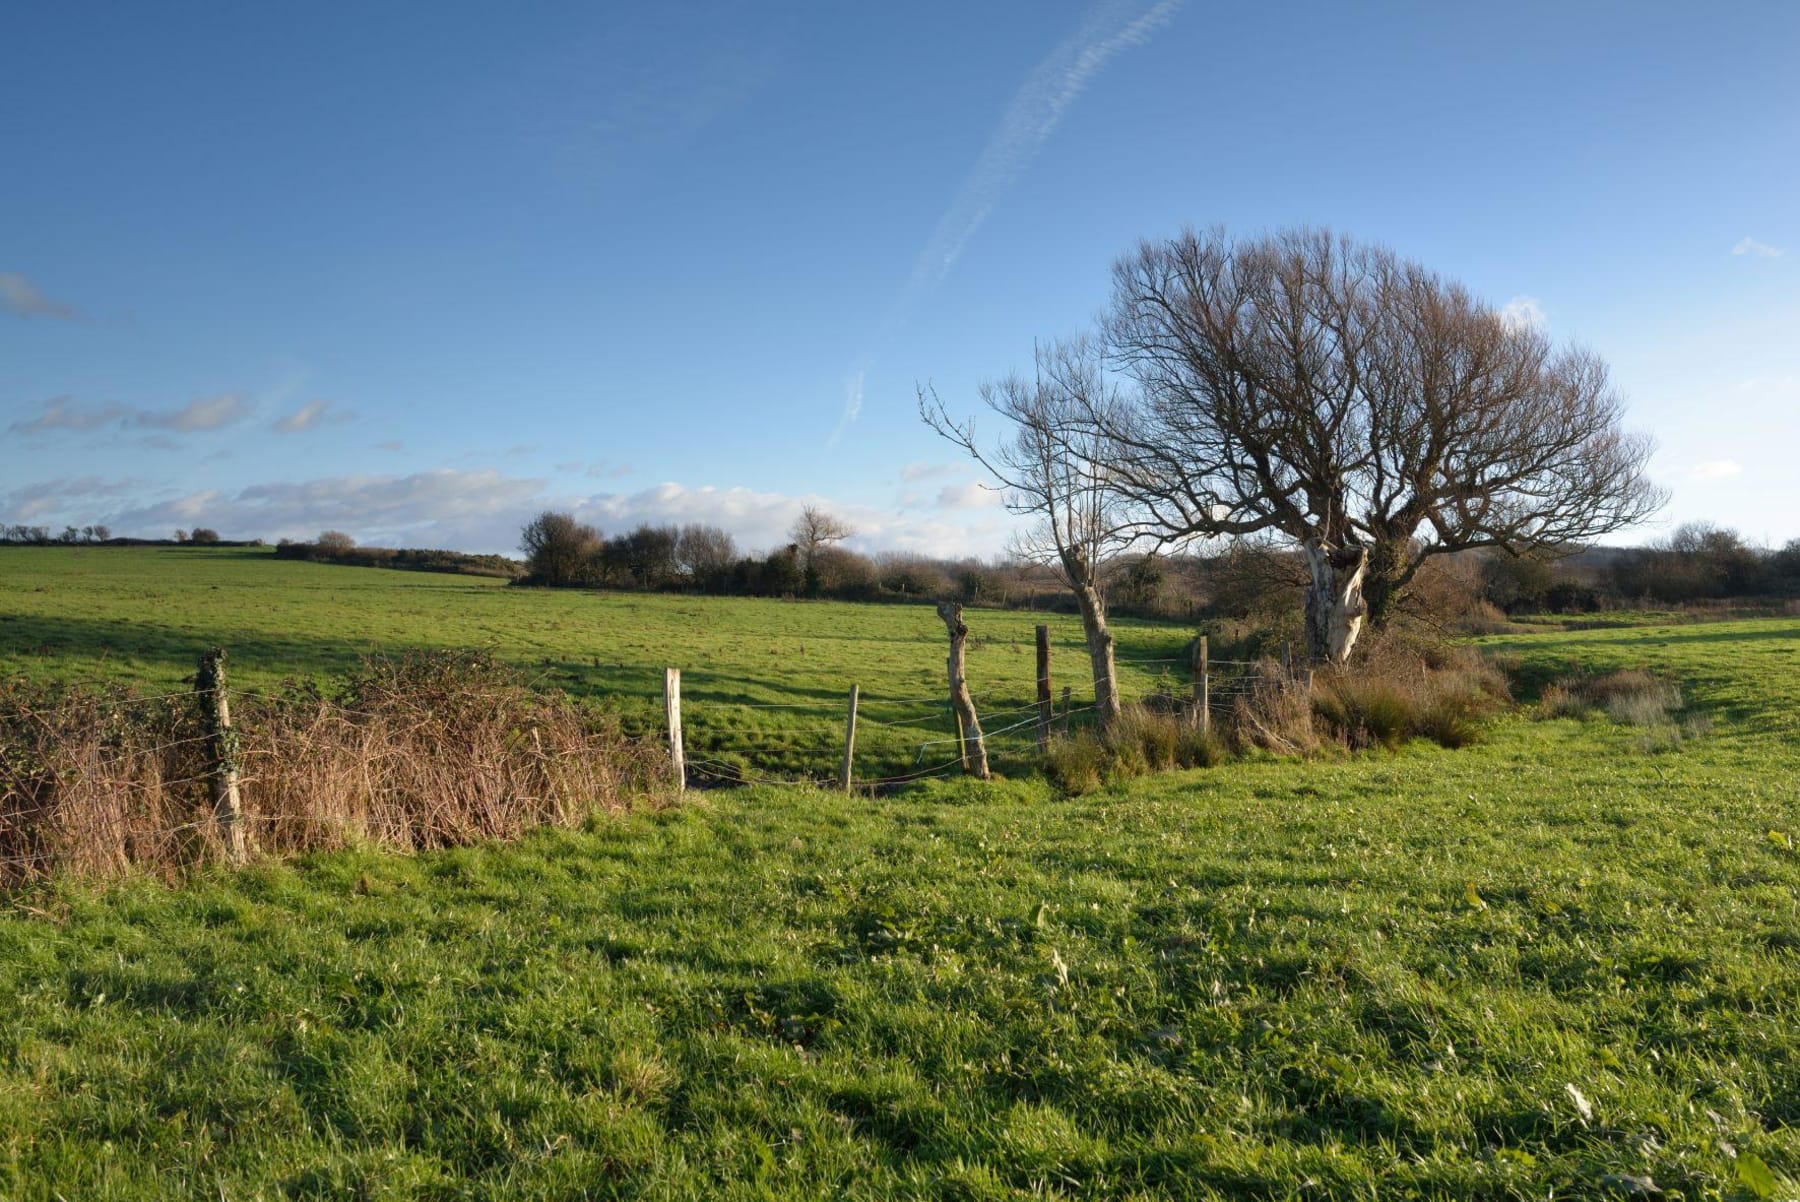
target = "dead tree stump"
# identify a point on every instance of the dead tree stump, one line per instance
(974, 747)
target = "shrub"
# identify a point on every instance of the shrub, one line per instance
(429, 751)
(559, 551)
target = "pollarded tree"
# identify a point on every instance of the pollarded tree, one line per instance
(1053, 466)
(1329, 394)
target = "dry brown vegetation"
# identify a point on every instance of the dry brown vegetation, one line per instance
(1402, 688)
(429, 751)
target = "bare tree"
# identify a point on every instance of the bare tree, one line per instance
(813, 529)
(704, 554)
(1310, 388)
(560, 550)
(1054, 467)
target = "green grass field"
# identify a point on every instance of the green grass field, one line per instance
(764, 682)
(1562, 963)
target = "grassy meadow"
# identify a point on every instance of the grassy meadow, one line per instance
(1561, 963)
(764, 682)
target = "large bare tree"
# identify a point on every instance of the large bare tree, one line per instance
(815, 529)
(1310, 389)
(1052, 464)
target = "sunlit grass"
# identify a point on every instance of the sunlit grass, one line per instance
(143, 615)
(1563, 962)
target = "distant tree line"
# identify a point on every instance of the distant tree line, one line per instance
(562, 552)
(1698, 562)
(334, 546)
(41, 536)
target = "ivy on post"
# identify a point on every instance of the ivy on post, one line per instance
(1043, 688)
(223, 753)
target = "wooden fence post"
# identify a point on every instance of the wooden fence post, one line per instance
(849, 740)
(1202, 686)
(222, 753)
(1067, 693)
(1043, 688)
(968, 726)
(672, 711)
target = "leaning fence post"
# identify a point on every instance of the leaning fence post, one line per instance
(968, 725)
(849, 740)
(672, 711)
(1043, 688)
(1202, 686)
(222, 752)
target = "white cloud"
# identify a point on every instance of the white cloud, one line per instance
(930, 471)
(761, 520)
(1716, 469)
(20, 297)
(203, 413)
(1524, 313)
(484, 510)
(311, 416)
(55, 497)
(1750, 246)
(440, 508)
(1036, 110)
(973, 495)
(853, 403)
(66, 413)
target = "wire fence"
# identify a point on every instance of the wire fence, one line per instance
(168, 769)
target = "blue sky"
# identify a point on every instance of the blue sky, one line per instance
(416, 272)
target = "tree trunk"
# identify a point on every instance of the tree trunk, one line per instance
(974, 749)
(1100, 652)
(1383, 581)
(1334, 600)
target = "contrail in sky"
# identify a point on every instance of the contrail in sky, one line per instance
(1036, 110)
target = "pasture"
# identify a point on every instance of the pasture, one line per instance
(764, 682)
(1564, 962)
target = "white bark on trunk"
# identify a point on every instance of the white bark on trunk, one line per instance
(1334, 600)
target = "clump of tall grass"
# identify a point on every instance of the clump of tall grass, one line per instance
(1141, 740)
(423, 752)
(1633, 697)
(1398, 689)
